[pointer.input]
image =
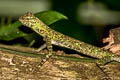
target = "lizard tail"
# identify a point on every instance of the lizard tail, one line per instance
(116, 58)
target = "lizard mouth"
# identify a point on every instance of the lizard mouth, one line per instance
(23, 21)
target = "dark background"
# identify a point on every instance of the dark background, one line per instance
(92, 31)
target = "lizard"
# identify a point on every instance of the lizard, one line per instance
(52, 37)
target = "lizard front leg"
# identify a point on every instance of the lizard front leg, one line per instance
(50, 51)
(41, 47)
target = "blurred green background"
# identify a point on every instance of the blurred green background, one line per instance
(88, 20)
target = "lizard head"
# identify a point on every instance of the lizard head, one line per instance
(28, 20)
(34, 23)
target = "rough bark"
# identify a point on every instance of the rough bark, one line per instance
(18, 67)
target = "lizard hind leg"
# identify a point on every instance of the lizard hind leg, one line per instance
(101, 64)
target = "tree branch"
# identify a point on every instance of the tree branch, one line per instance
(14, 66)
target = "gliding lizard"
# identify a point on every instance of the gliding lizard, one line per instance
(53, 37)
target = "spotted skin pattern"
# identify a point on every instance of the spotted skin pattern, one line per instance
(53, 37)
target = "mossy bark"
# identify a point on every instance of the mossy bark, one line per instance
(17, 67)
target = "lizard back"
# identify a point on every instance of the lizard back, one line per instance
(65, 41)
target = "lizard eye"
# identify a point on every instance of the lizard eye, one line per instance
(27, 18)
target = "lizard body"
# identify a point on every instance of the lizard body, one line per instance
(53, 37)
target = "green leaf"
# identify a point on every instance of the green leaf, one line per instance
(33, 36)
(49, 17)
(10, 32)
